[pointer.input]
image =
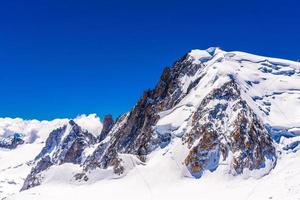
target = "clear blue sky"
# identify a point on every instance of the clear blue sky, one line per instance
(62, 58)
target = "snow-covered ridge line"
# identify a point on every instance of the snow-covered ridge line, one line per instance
(266, 81)
(201, 56)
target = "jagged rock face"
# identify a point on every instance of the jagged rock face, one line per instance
(107, 126)
(216, 133)
(35, 177)
(64, 145)
(52, 142)
(12, 142)
(135, 135)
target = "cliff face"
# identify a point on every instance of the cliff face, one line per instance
(108, 123)
(135, 133)
(11, 142)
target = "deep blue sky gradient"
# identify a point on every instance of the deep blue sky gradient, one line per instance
(62, 58)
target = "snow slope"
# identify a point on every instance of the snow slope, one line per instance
(159, 180)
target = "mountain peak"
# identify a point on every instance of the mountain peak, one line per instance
(72, 123)
(199, 56)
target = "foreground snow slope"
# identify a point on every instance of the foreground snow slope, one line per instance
(158, 180)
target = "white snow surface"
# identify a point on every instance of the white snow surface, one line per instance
(163, 178)
(270, 86)
(273, 83)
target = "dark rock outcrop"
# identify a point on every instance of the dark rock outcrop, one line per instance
(107, 126)
(11, 142)
(134, 134)
(219, 132)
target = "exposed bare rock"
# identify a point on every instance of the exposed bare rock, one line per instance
(216, 133)
(107, 126)
(135, 135)
(11, 142)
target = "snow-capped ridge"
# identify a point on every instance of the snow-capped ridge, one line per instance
(200, 56)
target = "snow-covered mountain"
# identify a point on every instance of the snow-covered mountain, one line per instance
(216, 121)
(16, 164)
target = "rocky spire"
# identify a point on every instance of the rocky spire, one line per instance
(107, 125)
